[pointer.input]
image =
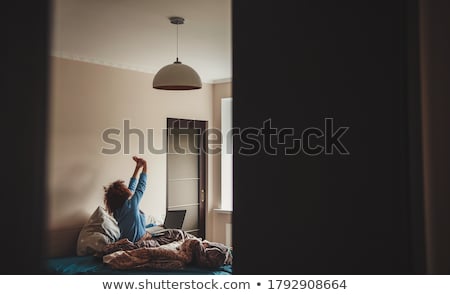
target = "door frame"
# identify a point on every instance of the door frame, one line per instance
(202, 166)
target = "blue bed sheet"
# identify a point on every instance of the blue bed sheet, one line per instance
(79, 265)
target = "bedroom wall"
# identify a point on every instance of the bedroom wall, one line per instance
(85, 100)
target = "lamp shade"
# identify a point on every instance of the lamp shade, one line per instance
(177, 76)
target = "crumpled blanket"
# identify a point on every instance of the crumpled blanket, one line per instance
(168, 236)
(173, 251)
(213, 254)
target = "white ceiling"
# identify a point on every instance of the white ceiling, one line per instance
(137, 34)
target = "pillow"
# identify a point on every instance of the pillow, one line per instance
(101, 229)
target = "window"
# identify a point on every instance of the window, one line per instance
(227, 155)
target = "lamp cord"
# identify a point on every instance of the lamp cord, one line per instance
(177, 41)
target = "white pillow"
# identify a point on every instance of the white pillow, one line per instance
(101, 229)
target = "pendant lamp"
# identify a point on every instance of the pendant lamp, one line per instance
(177, 76)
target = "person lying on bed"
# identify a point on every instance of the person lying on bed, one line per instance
(122, 202)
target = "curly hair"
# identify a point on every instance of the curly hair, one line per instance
(115, 195)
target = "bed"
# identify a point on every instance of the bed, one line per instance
(91, 265)
(173, 252)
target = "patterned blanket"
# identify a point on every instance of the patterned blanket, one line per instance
(173, 250)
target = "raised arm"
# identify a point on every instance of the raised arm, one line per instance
(144, 166)
(133, 180)
(138, 166)
(141, 184)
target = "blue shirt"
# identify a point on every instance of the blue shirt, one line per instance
(130, 219)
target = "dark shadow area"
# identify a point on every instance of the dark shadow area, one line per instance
(24, 130)
(323, 211)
